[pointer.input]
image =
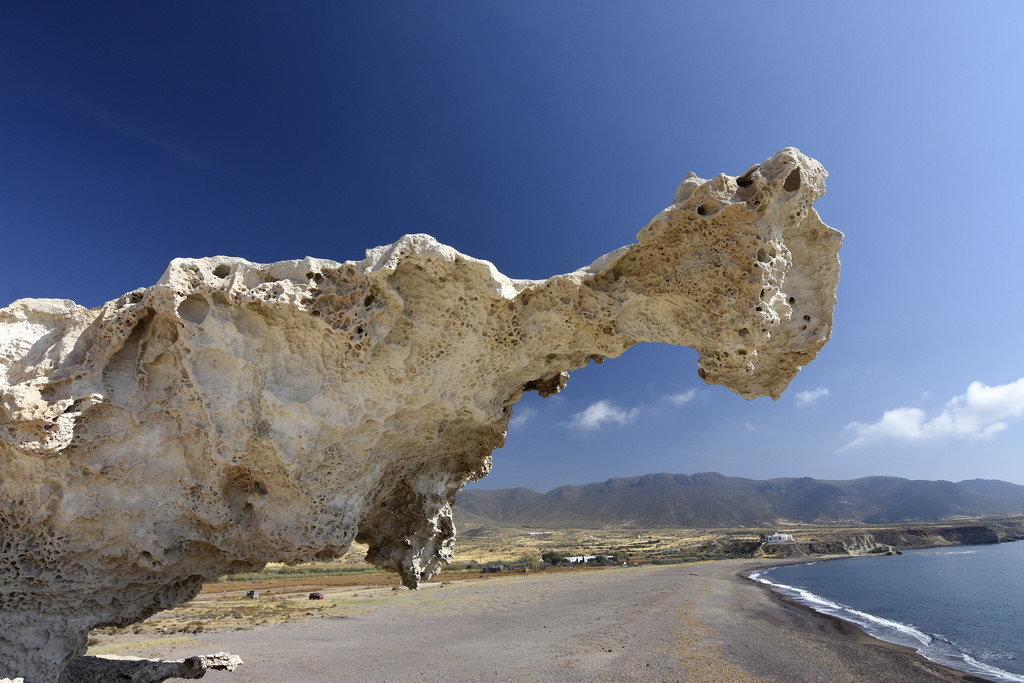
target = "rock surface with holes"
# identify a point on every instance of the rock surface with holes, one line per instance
(238, 413)
(107, 668)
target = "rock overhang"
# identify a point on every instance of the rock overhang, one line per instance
(238, 413)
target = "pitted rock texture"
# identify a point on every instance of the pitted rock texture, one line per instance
(238, 413)
(108, 668)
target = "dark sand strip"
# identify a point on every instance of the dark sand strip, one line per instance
(695, 622)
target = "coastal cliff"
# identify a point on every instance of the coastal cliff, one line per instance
(894, 540)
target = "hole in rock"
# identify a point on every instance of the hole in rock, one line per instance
(746, 180)
(194, 309)
(709, 208)
(792, 183)
(223, 270)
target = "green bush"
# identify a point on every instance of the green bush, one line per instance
(553, 558)
(530, 561)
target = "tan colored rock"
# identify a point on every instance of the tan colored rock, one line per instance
(239, 413)
(107, 668)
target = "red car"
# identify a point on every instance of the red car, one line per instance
(316, 596)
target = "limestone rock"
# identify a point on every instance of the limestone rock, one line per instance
(237, 413)
(106, 668)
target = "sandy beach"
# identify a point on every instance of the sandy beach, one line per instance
(693, 622)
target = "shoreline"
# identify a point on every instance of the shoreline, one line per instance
(856, 633)
(696, 622)
(848, 629)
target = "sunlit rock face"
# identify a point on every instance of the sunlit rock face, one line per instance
(238, 413)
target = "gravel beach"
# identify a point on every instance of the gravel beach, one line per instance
(694, 622)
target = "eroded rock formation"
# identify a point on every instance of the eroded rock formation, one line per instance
(108, 668)
(238, 413)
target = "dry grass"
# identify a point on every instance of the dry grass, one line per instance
(636, 546)
(129, 646)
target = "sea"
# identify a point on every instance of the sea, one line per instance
(961, 606)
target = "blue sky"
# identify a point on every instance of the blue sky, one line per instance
(540, 135)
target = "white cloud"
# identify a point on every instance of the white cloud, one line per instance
(806, 398)
(600, 413)
(520, 416)
(683, 398)
(980, 413)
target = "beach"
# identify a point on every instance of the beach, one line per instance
(690, 622)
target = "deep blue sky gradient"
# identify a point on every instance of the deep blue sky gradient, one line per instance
(540, 135)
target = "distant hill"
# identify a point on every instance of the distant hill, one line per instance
(1011, 493)
(714, 500)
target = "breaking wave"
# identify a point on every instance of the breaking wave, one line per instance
(935, 647)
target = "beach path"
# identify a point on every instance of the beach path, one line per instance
(691, 622)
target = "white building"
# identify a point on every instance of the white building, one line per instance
(779, 537)
(583, 559)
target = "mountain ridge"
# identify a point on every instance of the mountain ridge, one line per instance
(710, 499)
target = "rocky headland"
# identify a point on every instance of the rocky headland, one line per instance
(896, 539)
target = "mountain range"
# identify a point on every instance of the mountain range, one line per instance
(710, 499)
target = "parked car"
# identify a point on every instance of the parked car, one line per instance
(316, 596)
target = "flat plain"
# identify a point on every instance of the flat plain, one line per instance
(693, 621)
(697, 622)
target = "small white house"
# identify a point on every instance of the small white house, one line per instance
(583, 559)
(779, 537)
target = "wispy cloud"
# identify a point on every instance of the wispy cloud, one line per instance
(806, 398)
(115, 125)
(601, 413)
(979, 413)
(520, 416)
(681, 399)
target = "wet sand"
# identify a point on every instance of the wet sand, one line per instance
(693, 622)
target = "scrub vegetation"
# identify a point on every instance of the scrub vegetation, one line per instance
(351, 586)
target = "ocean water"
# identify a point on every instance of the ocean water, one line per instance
(959, 606)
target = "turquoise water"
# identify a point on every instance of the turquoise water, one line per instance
(959, 606)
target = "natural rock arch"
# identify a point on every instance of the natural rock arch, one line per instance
(238, 413)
